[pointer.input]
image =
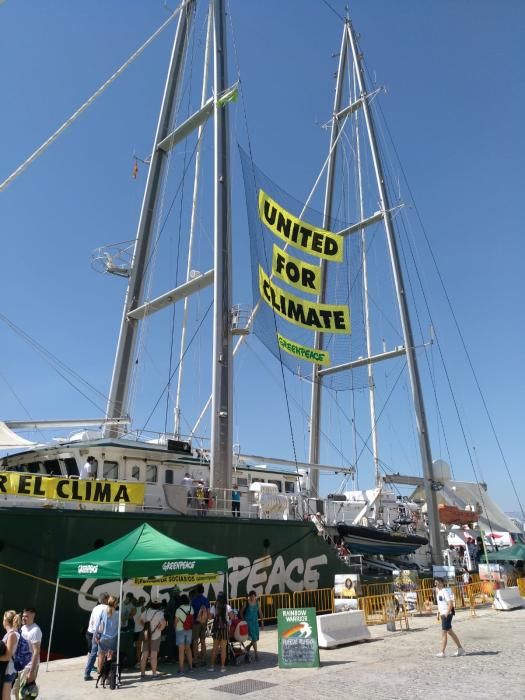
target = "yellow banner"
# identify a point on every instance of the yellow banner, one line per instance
(295, 272)
(319, 357)
(325, 318)
(299, 234)
(179, 579)
(56, 488)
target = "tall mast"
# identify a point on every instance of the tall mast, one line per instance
(221, 432)
(421, 421)
(119, 392)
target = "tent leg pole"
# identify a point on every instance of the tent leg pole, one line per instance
(119, 624)
(52, 625)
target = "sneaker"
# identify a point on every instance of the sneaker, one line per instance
(211, 668)
(223, 670)
(89, 678)
(460, 652)
(441, 655)
(142, 677)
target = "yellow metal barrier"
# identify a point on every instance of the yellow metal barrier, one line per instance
(521, 586)
(271, 602)
(370, 589)
(381, 609)
(236, 603)
(480, 593)
(322, 599)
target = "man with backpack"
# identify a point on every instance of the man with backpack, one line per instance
(201, 607)
(32, 633)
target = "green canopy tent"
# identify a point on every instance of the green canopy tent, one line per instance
(514, 553)
(144, 552)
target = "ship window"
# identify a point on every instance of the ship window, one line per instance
(71, 466)
(289, 487)
(168, 476)
(151, 473)
(110, 470)
(135, 473)
(242, 481)
(257, 481)
(277, 483)
(52, 466)
(34, 468)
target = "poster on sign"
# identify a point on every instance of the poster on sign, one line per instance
(406, 583)
(347, 588)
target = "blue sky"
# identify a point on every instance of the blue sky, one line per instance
(454, 107)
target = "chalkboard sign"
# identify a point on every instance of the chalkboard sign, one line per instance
(297, 633)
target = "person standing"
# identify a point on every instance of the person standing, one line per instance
(107, 632)
(93, 624)
(127, 612)
(154, 623)
(252, 613)
(139, 627)
(219, 631)
(183, 632)
(236, 502)
(32, 633)
(445, 602)
(187, 482)
(201, 608)
(88, 471)
(11, 623)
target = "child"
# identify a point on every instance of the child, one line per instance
(252, 614)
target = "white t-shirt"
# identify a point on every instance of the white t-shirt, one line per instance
(33, 634)
(444, 596)
(155, 618)
(87, 470)
(139, 619)
(95, 617)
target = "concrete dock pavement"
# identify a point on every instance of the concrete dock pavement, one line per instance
(392, 665)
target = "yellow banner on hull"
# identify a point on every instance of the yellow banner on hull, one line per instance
(81, 490)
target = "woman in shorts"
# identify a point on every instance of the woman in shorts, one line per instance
(11, 622)
(183, 636)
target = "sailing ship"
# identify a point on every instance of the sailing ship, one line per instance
(286, 534)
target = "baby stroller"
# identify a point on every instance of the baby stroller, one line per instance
(238, 635)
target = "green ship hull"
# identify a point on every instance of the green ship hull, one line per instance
(272, 556)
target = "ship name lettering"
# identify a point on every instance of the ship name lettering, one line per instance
(266, 576)
(3, 479)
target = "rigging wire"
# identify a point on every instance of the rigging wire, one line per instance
(177, 365)
(43, 147)
(177, 257)
(55, 363)
(384, 123)
(283, 378)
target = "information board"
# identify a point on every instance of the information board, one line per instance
(297, 635)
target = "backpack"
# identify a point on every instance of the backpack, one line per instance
(187, 623)
(23, 654)
(202, 615)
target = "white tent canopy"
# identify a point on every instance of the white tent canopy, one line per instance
(9, 439)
